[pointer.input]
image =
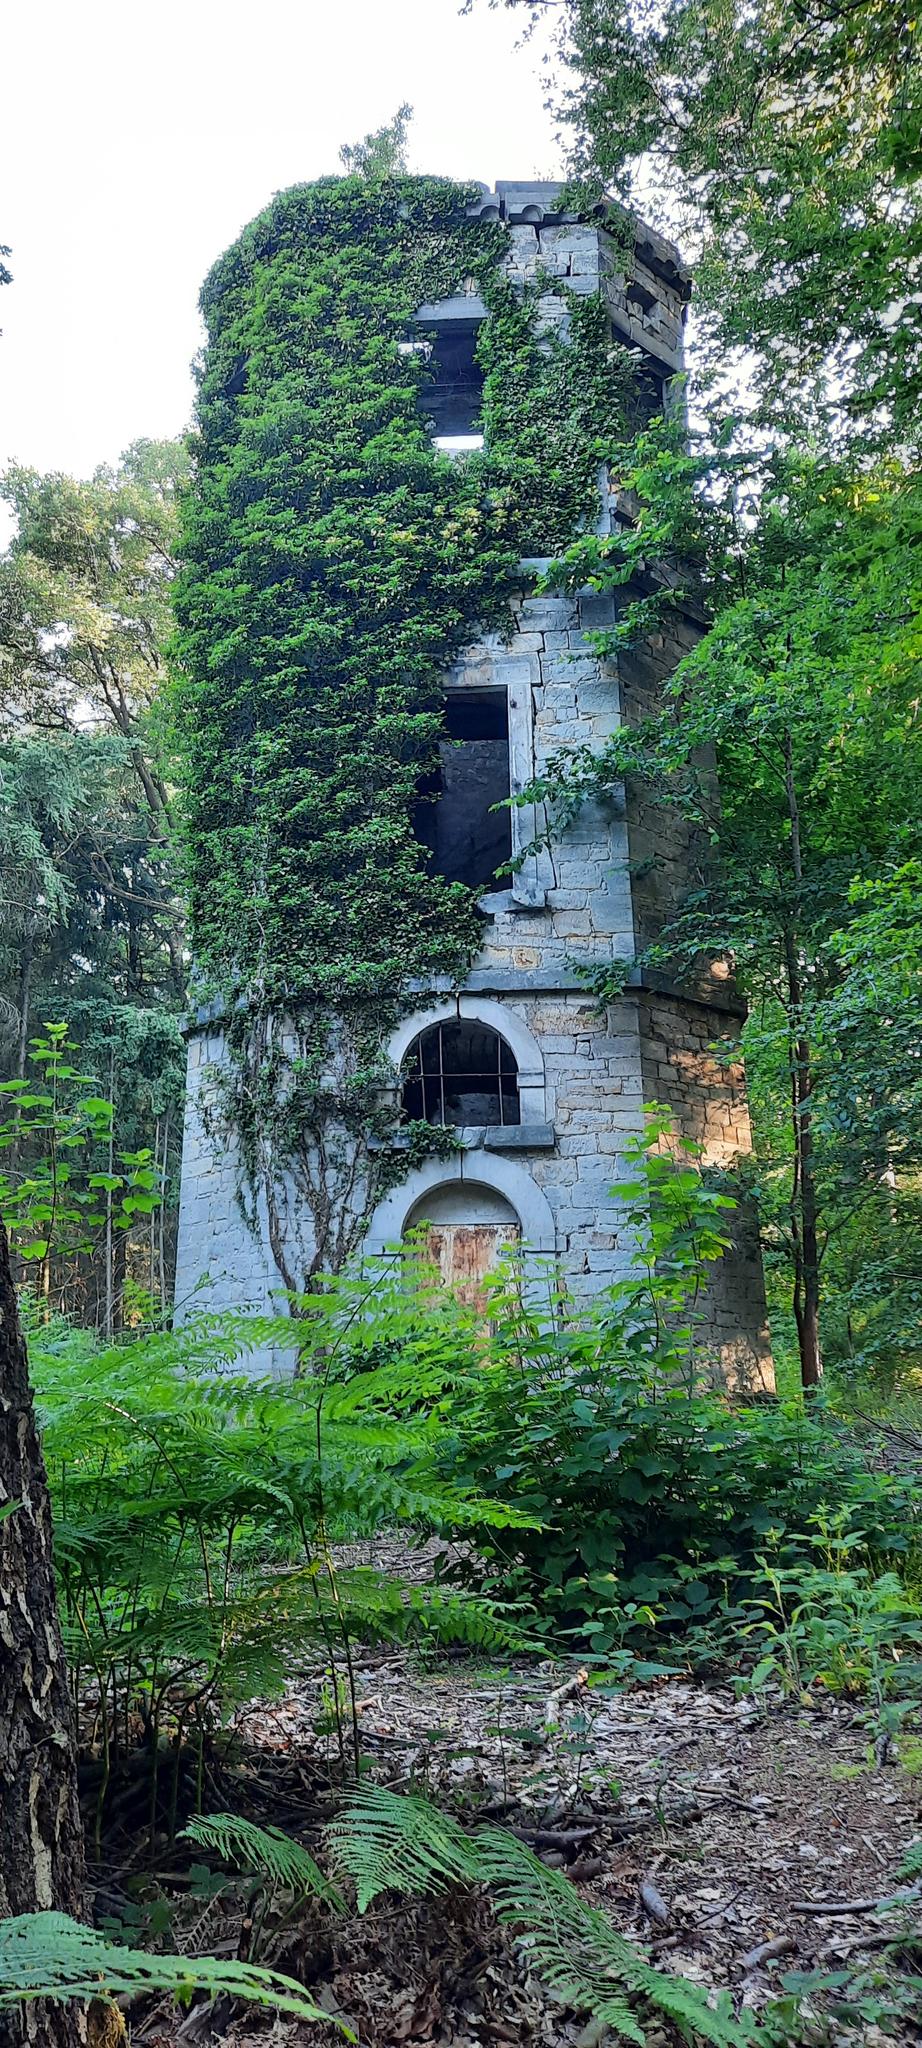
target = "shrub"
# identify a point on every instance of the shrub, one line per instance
(650, 1502)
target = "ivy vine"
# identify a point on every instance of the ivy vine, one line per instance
(334, 562)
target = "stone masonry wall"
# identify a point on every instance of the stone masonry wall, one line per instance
(599, 892)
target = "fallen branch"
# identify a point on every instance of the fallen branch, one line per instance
(732, 1799)
(835, 1907)
(561, 1694)
(766, 1951)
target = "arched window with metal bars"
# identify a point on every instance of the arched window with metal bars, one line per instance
(460, 1072)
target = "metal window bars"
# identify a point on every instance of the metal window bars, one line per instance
(460, 1073)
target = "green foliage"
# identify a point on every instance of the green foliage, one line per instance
(51, 1200)
(48, 1955)
(193, 1508)
(388, 1842)
(654, 1504)
(650, 1500)
(785, 149)
(334, 561)
(382, 154)
(266, 1851)
(89, 921)
(837, 1625)
(805, 693)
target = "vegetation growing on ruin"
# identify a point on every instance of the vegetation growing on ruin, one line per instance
(334, 563)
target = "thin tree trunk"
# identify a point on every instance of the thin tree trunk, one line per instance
(109, 1320)
(160, 1213)
(804, 1203)
(26, 963)
(41, 1839)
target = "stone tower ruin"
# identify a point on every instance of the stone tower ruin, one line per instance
(541, 1088)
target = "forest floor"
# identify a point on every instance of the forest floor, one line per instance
(704, 1827)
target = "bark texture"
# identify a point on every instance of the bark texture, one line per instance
(41, 1839)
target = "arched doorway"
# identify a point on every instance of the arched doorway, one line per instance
(466, 1227)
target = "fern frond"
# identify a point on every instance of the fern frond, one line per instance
(48, 1955)
(388, 1842)
(265, 1851)
(911, 1865)
(575, 1948)
(469, 1618)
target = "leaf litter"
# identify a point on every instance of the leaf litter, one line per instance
(711, 1831)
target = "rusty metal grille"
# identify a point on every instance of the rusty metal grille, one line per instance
(460, 1073)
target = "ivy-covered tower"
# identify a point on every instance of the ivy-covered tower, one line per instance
(407, 396)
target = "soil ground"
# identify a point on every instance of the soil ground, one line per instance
(733, 1819)
(701, 1825)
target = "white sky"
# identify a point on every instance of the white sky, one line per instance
(137, 140)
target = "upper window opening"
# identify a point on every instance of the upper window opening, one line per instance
(452, 395)
(469, 840)
(460, 1073)
(650, 394)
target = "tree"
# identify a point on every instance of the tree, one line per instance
(805, 693)
(783, 140)
(383, 153)
(90, 921)
(41, 1839)
(85, 605)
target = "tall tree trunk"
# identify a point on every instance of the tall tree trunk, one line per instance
(807, 1294)
(804, 1203)
(41, 1839)
(26, 960)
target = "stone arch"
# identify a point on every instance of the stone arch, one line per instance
(506, 1177)
(498, 1017)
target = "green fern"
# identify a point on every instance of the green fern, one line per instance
(575, 1948)
(267, 1852)
(388, 1842)
(911, 1865)
(48, 1955)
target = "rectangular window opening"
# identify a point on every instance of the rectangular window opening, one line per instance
(468, 840)
(452, 395)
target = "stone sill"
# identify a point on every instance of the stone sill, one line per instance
(507, 1137)
(484, 1138)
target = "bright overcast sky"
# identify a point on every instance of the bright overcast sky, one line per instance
(137, 140)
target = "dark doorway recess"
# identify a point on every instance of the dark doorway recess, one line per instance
(460, 1073)
(452, 395)
(469, 840)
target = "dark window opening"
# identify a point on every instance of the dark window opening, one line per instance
(467, 839)
(649, 397)
(460, 1073)
(452, 394)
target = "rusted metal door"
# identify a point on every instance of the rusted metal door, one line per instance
(466, 1252)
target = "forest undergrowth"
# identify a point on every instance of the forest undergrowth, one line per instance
(513, 1497)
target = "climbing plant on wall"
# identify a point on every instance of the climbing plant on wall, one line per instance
(334, 562)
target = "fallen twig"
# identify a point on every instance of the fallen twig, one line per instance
(561, 1694)
(834, 1907)
(732, 1798)
(767, 1951)
(654, 1904)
